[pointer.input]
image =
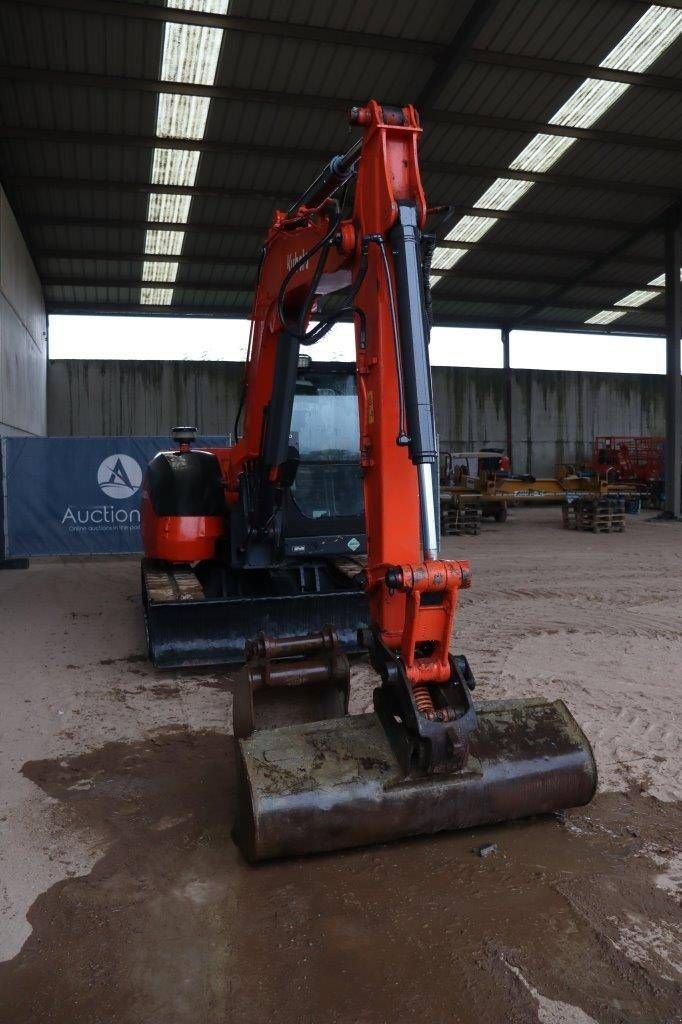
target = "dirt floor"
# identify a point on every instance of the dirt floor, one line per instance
(124, 901)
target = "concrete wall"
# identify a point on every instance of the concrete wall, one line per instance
(23, 334)
(556, 414)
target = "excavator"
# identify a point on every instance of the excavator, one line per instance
(312, 777)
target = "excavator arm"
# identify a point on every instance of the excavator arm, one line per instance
(376, 256)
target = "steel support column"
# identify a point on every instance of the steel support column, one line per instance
(673, 388)
(507, 395)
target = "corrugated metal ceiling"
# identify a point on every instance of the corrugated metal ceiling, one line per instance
(78, 174)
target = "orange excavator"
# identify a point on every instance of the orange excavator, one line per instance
(312, 777)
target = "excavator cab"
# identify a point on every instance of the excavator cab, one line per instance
(324, 502)
(204, 589)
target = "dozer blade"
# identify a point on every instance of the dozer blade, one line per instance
(184, 628)
(327, 785)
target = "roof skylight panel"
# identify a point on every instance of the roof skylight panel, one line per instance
(170, 209)
(503, 194)
(163, 243)
(644, 43)
(190, 53)
(636, 298)
(175, 166)
(588, 103)
(606, 316)
(648, 38)
(163, 272)
(182, 117)
(444, 258)
(156, 296)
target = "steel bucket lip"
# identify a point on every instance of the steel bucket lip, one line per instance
(274, 824)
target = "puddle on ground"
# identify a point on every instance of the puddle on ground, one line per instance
(564, 925)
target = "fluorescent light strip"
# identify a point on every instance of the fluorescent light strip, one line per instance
(190, 54)
(648, 38)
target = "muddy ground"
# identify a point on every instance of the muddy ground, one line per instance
(123, 899)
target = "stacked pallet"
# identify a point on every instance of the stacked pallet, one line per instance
(596, 514)
(456, 519)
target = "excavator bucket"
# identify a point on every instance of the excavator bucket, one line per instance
(318, 785)
(187, 623)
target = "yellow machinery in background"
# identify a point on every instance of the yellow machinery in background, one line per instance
(478, 484)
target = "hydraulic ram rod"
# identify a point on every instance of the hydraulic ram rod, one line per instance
(337, 172)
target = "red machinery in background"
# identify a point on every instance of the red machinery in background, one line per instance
(636, 460)
(311, 776)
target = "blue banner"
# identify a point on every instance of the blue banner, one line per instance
(76, 495)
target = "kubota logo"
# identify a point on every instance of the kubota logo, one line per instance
(119, 476)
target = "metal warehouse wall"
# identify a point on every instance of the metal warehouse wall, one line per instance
(23, 334)
(556, 414)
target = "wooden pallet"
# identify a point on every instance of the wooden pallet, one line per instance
(458, 519)
(595, 514)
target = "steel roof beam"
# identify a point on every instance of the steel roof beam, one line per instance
(517, 216)
(365, 40)
(312, 101)
(430, 166)
(556, 220)
(236, 23)
(246, 286)
(557, 180)
(242, 312)
(147, 187)
(75, 79)
(106, 255)
(38, 134)
(634, 236)
(140, 257)
(114, 282)
(450, 118)
(573, 69)
(257, 230)
(37, 221)
(456, 53)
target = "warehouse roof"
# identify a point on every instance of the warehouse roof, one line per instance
(145, 145)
